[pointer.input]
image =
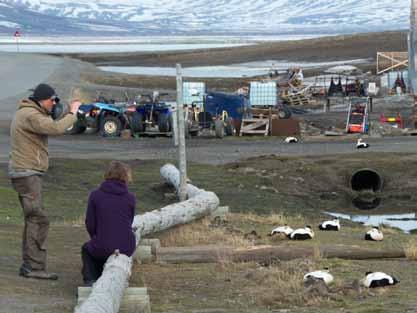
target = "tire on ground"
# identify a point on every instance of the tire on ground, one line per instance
(76, 128)
(165, 123)
(137, 123)
(110, 126)
(284, 112)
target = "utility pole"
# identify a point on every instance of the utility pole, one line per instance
(412, 47)
(182, 160)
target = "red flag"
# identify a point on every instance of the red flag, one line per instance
(16, 33)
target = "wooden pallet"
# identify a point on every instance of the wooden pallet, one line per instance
(296, 99)
(255, 127)
(135, 300)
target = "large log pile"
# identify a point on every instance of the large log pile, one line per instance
(107, 292)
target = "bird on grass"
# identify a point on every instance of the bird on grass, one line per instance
(291, 140)
(374, 234)
(286, 230)
(330, 225)
(323, 275)
(361, 144)
(302, 233)
(378, 279)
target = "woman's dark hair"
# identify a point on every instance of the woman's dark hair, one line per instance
(119, 171)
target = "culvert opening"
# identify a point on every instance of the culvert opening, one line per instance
(366, 179)
(366, 183)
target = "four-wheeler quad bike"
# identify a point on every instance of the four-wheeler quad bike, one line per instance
(108, 119)
(151, 112)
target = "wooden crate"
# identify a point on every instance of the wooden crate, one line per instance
(255, 126)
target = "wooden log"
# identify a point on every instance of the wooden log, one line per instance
(135, 299)
(107, 292)
(267, 254)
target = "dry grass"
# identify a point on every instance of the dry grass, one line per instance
(201, 233)
(281, 285)
(272, 219)
(410, 249)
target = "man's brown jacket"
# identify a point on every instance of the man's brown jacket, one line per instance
(29, 132)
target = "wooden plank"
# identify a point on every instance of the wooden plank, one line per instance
(387, 61)
(210, 254)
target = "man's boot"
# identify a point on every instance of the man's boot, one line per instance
(28, 272)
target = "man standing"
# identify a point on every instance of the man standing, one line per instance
(30, 128)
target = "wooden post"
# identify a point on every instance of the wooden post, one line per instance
(182, 159)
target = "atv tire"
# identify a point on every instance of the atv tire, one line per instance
(110, 126)
(137, 123)
(284, 112)
(76, 128)
(165, 123)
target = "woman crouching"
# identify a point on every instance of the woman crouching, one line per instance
(109, 218)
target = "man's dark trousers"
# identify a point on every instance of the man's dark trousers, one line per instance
(36, 227)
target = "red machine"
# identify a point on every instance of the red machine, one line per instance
(396, 121)
(358, 116)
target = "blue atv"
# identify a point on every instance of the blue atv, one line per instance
(150, 112)
(107, 119)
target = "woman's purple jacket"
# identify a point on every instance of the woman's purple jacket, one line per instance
(109, 218)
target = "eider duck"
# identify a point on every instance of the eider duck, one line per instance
(378, 279)
(330, 225)
(361, 144)
(302, 233)
(323, 275)
(374, 234)
(291, 140)
(286, 230)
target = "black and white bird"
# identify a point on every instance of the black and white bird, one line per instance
(323, 275)
(302, 233)
(330, 225)
(361, 144)
(378, 279)
(374, 234)
(285, 230)
(291, 140)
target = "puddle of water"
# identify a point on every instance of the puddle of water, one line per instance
(248, 69)
(406, 222)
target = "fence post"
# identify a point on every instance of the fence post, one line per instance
(182, 160)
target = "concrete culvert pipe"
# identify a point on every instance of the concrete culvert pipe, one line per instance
(366, 179)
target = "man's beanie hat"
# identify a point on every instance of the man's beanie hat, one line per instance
(43, 92)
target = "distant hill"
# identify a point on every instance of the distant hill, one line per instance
(168, 17)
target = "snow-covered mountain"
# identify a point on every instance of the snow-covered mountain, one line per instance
(202, 16)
